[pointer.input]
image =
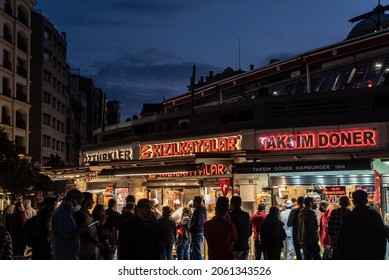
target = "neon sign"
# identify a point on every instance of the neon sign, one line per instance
(211, 145)
(209, 170)
(318, 140)
(108, 155)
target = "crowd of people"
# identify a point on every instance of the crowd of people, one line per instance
(78, 229)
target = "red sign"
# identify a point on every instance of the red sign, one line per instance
(209, 170)
(350, 138)
(338, 190)
(221, 144)
(224, 185)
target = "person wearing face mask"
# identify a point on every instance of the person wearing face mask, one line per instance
(308, 228)
(64, 231)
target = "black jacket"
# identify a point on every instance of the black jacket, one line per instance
(198, 219)
(241, 220)
(362, 235)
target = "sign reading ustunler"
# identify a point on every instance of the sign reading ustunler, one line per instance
(350, 138)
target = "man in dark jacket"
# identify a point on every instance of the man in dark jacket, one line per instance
(308, 230)
(241, 220)
(141, 240)
(361, 234)
(196, 227)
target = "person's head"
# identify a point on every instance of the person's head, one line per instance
(344, 201)
(129, 207)
(370, 197)
(111, 203)
(19, 206)
(155, 203)
(274, 212)
(177, 204)
(197, 201)
(49, 204)
(98, 212)
(27, 203)
(288, 204)
(130, 198)
(310, 203)
(222, 205)
(261, 207)
(359, 197)
(190, 204)
(185, 212)
(300, 201)
(323, 206)
(236, 202)
(166, 210)
(294, 201)
(74, 199)
(143, 208)
(87, 203)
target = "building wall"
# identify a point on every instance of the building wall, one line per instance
(15, 37)
(49, 82)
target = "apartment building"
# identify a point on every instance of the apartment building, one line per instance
(15, 54)
(49, 83)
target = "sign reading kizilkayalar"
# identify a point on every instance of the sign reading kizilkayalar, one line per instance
(321, 139)
(304, 166)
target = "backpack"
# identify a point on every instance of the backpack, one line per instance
(29, 230)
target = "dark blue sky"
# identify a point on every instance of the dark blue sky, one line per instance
(139, 51)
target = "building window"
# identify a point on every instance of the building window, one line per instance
(46, 97)
(46, 141)
(47, 76)
(46, 119)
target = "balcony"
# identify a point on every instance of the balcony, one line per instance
(7, 64)
(23, 20)
(20, 123)
(7, 91)
(21, 96)
(8, 37)
(21, 71)
(8, 10)
(6, 120)
(22, 46)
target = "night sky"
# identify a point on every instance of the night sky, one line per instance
(141, 51)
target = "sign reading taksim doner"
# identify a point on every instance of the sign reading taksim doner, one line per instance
(348, 138)
(124, 153)
(191, 147)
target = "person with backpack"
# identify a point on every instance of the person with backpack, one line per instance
(183, 235)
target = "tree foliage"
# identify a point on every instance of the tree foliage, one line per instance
(16, 172)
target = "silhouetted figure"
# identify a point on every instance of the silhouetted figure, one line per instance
(196, 228)
(273, 234)
(334, 222)
(183, 240)
(362, 233)
(41, 234)
(6, 251)
(120, 223)
(167, 233)
(256, 223)
(112, 214)
(288, 243)
(308, 230)
(293, 222)
(241, 220)
(18, 220)
(220, 233)
(141, 235)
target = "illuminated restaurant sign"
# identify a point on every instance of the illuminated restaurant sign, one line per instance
(335, 190)
(349, 138)
(183, 148)
(108, 155)
(209, 170)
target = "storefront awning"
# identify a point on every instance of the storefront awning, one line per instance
(151, 170)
